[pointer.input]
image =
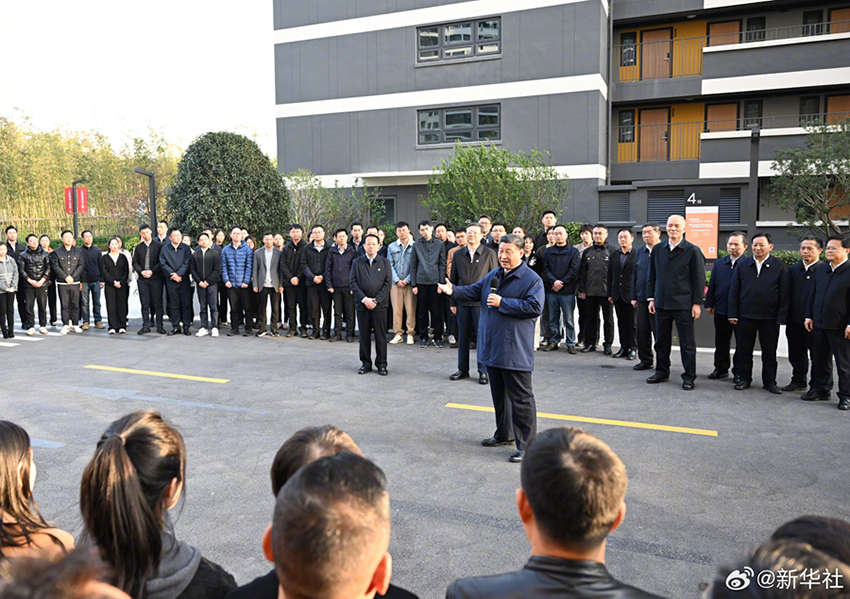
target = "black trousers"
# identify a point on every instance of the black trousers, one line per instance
(296, 302)
(116, 306)
(222, 303)
(516, 411)
(467, 331)
(593, 304)
(723, 331)
(52, 296)
(69, 297)
(428, 301)
(265, 294)
(7, 312)
(35, 295)
(372, 321)
(449, 318)
(239, 308)
(544, 318)
(319, 304)
(207, 302)
(22, 301)
(344, 311)
(150, 296)
(179, 302)
(799, 351)
(626, 324)
(664, 342)
(768, 334)
(645, 333)
(827, 344)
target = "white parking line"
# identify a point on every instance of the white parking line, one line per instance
(18, 336)
(7, 344)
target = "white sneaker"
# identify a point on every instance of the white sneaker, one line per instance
(410, 339)
(65, 330)
(214, 333)
(202, 332)
(111, 331)
(31, 331)
(122, 331)
(78, 329)
(43, 330)
(452, 339)
(397, 339)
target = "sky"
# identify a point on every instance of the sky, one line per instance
(183, 67)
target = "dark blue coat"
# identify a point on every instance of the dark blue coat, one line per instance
(561, 264)
(719, 284)
(175, 260)
(237, 264)
(829, 301)
(506, 333)
(760, 296)
(802, 283)
(640, 274)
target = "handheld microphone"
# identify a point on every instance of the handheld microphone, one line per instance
(494, 284)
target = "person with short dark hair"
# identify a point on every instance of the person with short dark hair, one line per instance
(802, 275)
(758, 304)
(52, 292)
(497, 231)
(356, 236)
(205, 268)
(548, 219)
(585, 233)
(175, 258)
(237, 264)
(34, 267)
(115, 271)
(717, 304)
(427, 270)
(266, 282)
(9, 281)
(313, 261)
(370, 281)
(402, 298)
(337, 279)
(14, 249)
(561, 264)
(294, 284)
(829, 535)
(828, 319)
(572, 497)
(645, 329)
(91, 282)
(146, 264)
(68, 263)
(486, 225)
(593, 288)
(620, 275)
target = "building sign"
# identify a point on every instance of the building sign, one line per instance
(703, 223)
(82, 200)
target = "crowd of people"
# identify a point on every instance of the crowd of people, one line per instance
(306, 285)
(329, 533)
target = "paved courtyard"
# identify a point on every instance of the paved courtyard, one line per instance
(745, 463)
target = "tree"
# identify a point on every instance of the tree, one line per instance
(812, 180)
(311, 203)
(224, 179)
(512, 187)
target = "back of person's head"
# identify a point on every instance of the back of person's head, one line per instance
(77, 575)
(575, 486)
(829, 535)
(760, 576)
(136, 474)
(331, 530)
(305, 446)
(16, 478)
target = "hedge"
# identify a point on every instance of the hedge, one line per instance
(101, 241)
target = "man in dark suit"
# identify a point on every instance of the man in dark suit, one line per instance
(572, 497)
(506, 341)
(469, 265)
(174, 258)
(370, 280)
(645, 330)
(828, 319)
(799, 339)
(717, 304)
(593, 288)
(561, 264)
(758, 303)
(620, 275)
(206, 272)
(14, 249)
(265, 274)
(677, 285)
(337, 277)
(294, 284)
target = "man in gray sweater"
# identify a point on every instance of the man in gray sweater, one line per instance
(427, 269)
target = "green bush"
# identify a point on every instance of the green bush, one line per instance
(789, 257)
(101, 241)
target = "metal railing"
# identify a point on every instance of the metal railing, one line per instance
(683, 57)
(669, 142)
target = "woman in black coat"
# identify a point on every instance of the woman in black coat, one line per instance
(115, 271)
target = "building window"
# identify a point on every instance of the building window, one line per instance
(809, 110)
(755, 29)
(438, 43)
(465, 124)
(812, 22)
(628, 49)
(627, 126)
(752, 114)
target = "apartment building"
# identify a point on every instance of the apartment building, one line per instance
(647, 105)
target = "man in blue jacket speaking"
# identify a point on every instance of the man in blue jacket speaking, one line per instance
(513, 294)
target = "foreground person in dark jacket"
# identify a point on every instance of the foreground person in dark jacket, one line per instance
(572, 497)
(371, 279)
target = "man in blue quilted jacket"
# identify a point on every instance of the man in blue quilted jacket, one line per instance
(237, 263)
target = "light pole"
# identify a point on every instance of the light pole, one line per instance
(151, 193)
(74, 203)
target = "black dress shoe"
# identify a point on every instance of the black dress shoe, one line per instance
(741, 385)
(247, 332)
(631, 354)
(688, 385)
(607, 350)
(813, 395)
(587, 349)
(291, 334)
(793, 387)
(643, 366)
(550, 347)
(160, 330)
(773, 388)
(621, 353)
(494, 442)
(459, 375)
(232, 332)
(657, 378)
(844, 404)
(364, 369)
(571, 349)
(349, 338)
(482, 379)
(324, 336)
(336, 338)
(175, 331)
(516, 456)
(304, 335)
(718, 375)
(143, 331)
(187, 331)
(383, 371)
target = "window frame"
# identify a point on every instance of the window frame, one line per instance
(474, 130)
(755, 35)
(818, 26)
(745, 120)
(812, 116)
(632, 46)
(475, 44)
(621, 128)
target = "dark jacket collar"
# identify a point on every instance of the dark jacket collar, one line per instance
(573, 568)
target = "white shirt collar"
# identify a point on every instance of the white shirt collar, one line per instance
(834, 267)
(806, 267)
(674, 246)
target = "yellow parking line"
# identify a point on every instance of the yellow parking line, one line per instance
(655, 427)
(162, 374)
